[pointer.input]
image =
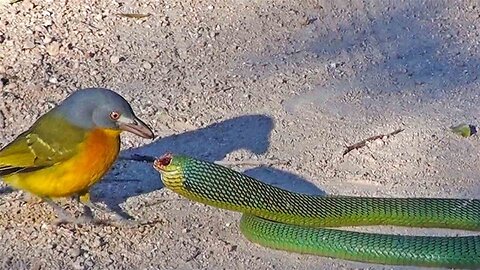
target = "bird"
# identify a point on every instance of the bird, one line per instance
(70, 148)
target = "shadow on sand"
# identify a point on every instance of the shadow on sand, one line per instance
(214, 142)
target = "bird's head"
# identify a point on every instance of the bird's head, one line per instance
(102, 108)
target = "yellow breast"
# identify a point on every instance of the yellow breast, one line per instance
(94, 158)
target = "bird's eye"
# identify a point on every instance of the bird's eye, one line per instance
(115, 115)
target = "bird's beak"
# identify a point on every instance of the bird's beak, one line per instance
(136, 126)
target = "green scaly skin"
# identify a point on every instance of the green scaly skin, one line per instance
(281, 219)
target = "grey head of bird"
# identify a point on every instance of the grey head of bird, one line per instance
(101, 108)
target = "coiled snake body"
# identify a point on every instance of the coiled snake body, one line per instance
(281, 219)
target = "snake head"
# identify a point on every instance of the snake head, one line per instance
(170, 163)
(171, 169)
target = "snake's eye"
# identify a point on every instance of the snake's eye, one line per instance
(114, 115)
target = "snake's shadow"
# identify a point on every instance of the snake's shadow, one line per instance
(251, 132)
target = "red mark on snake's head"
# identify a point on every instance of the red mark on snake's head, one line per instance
(163, 161)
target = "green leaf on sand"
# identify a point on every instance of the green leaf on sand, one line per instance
(464, 130)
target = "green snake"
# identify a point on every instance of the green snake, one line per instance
(280, 219)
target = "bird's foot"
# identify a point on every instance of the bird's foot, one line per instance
(117, 219)
(66, 218)
(89, 206)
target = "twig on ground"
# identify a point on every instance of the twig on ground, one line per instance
(364, 142)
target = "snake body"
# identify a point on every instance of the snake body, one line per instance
(281, 219)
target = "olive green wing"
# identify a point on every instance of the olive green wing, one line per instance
(49, 141)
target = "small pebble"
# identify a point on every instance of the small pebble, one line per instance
(89, 263)
(53, 48)
(147, 65)
(29, 45)
(77, 265)
(97, 242)
(27, 5)
(74, 252)
(47, 40)
(53, 80)
(47, 23)
(115, 59)
(11, 86)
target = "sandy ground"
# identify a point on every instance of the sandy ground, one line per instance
(238, 80)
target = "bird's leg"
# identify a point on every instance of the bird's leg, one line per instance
(89, 205)
(87, 211)
(64, 216)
